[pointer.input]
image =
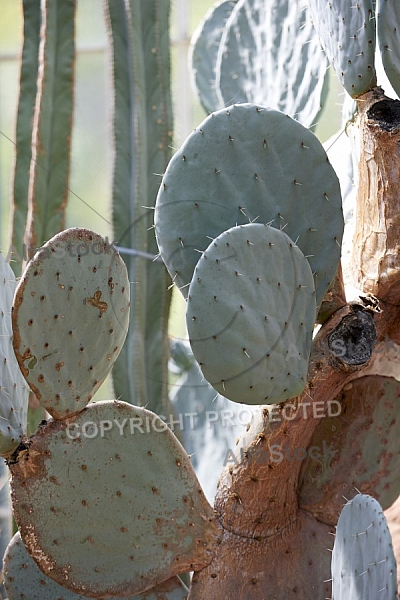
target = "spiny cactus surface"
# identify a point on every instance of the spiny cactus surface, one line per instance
(70, 319)
(361, 430)
(22, 576)
(363, 563)
(388, 20)
(204, 51)
(347, 31)
(269, 54)
(249, 163)
(108, 503)
(13, 389)
(251, 313)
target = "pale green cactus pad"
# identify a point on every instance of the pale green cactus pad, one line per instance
(203, 53)
(360, 434)
(250, 316)
(388, 19)
(363, 562)
(70, 319)
(249, 163)
(108, 503)
(13, 389)
(347, 31)
(23, 579)
(269, 54)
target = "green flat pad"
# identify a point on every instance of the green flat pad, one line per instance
(23, 579)
(242, 164)
(70, 319)
(251, 313)
(363, 562)
(347, 31)
(203, 53)
(269, 54)
(108, 503)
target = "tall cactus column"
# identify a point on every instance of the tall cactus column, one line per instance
(139, 36)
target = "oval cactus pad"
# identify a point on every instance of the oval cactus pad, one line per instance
(70, 319)
(249, 163)
(347, 32)
(108, 503)
(21, 574)
(363, 562)
(250, 316)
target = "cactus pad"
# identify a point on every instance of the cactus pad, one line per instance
(22, 575)
(107, 502)
(13, 389)
(348, 35)
(70, 319)
(360, 430)
(269, 54)
(251, 313)
(203, 53)
(242, 164)
(389, 40)
(23, 578)
(363, 563)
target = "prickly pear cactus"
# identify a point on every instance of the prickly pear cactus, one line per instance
(360, 428)
(388, 20)
(203, 53)
(266, 50)
(21, 574)
(13, 389)
(251, 313)
(363, 563)
(249, 163)
(70, 319)
(107, 502)
(347, 32)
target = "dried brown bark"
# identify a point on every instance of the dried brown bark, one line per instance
(377, 233)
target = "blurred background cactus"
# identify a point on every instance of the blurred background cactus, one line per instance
(243, 171)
